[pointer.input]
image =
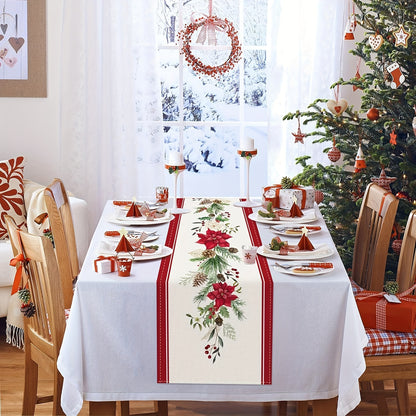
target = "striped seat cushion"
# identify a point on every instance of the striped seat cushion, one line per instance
(382, 342)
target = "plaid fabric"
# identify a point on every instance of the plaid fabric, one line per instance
(389, 342)
(382, 342)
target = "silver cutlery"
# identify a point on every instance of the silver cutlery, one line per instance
(305, 264)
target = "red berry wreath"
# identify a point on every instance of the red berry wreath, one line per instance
(197, 65)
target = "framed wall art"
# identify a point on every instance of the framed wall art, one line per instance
(23, 48)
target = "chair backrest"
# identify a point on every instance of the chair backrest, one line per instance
(406, 269)
(372, 238)
(45, 329)
(62, 227)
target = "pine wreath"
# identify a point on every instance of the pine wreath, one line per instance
(197, 65)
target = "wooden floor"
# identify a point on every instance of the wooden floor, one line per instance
(11, 392)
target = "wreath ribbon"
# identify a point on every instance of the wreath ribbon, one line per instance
(209, 24)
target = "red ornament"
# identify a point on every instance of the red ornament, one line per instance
(403, 195)
(359, 160)
(373, 114)
(319, 196)
(334, 153)
(299, 135)
(396, 246)
(383, 180)
(393, 137)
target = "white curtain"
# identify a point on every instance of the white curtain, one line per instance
(110, 145)
(306, 45)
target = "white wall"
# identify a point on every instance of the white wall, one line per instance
(30, 126)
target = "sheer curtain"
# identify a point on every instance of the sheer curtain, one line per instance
(111, 146)
(306, 42)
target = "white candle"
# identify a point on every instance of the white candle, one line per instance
(247, 144)
(175, 159)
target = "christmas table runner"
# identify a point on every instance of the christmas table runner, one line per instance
(214, 311)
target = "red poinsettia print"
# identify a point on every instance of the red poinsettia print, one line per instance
(222, 294)
(213, 239)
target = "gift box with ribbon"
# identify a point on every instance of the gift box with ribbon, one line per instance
(105, 264)
(377, 312)
(283, 198)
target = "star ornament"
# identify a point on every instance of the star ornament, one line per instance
(393, 137)
(401, 37)
(299, 136)
(383, 180)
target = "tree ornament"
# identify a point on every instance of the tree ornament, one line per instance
(373, 114)
(334, 153)
(359, 160)
(299, 136)
(393, 137)
(337, 106)
(350, 28)
(319, 196)
(375, 41)
(357, 75)
(24, 296)
(383, 180)
(397, 75)
(396, 246)
(209, 25)
(403, 195)
(401, 37)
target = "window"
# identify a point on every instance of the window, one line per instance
(205, 117)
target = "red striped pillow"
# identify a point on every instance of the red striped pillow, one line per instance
(11, 193)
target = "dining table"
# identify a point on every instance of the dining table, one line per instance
(111, 347)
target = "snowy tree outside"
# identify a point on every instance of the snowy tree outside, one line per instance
(205, 117)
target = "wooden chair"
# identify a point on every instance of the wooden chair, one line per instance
(372, 238)
(399, 368)
(62, 227)
(44, 330)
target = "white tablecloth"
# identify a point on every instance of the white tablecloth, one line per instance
(109, 349)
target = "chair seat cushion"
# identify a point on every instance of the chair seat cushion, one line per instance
(381, 342)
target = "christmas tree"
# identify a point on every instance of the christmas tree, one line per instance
(376, 139)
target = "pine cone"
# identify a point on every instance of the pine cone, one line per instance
(218, 320)
(220, 277)
(199, 279)
(208, 254)
(391, 287)
(28, 310)
(286, 182)
(24, 296)
(233, 250)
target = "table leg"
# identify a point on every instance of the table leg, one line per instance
(102, 408)
(302, 408)
(326, 407)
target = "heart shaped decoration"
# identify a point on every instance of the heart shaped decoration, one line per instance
(3, 27)
(375, 41)
(337, 107)
(16, 43)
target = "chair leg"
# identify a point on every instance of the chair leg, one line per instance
(57, 391)
(162, 408)
(327, 407)
(402, 397)
(125, 408)
(31, 385)
(282, 408)
(102, 408)
(301, 408)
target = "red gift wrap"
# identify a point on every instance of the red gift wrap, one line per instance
(376, 312)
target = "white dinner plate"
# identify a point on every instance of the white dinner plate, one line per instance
(163, 251)
(283, 229)
(306, 218)
(141, 221)
(115, 239)
(317, 271)
(320, 252)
